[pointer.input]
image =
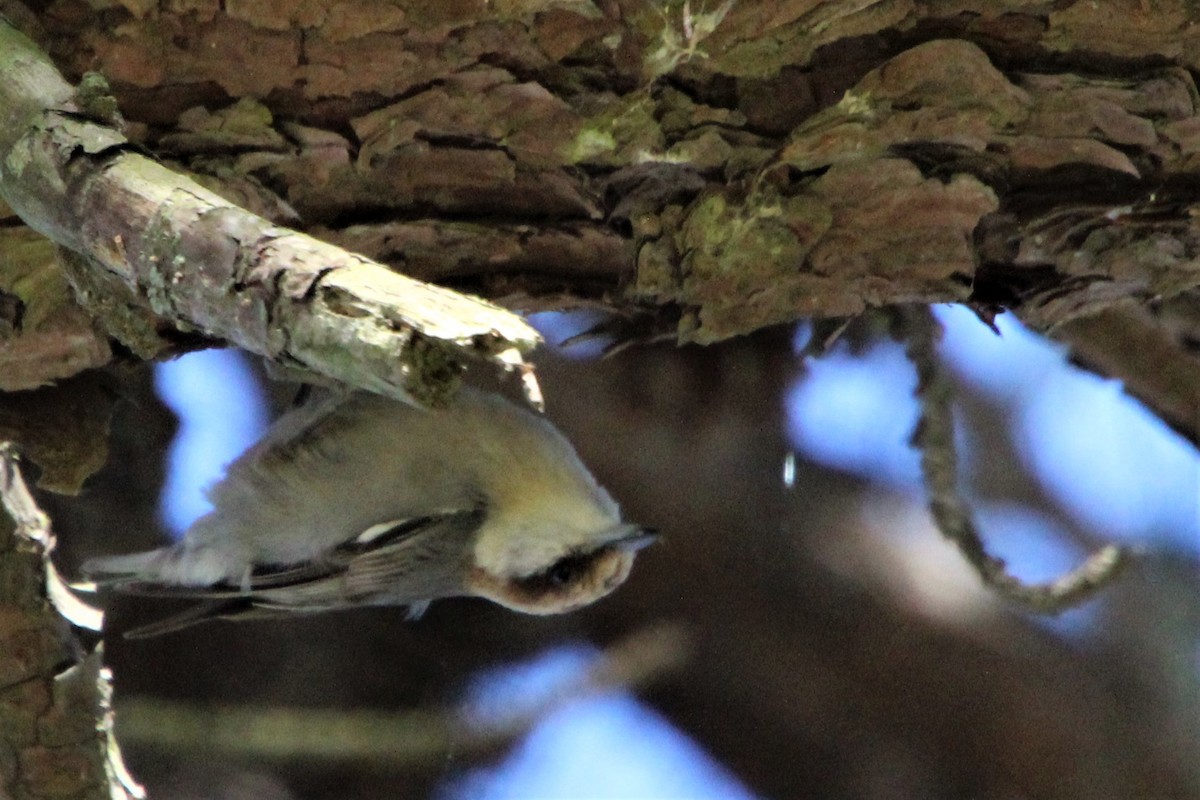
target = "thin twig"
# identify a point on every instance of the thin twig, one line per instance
(934, 438)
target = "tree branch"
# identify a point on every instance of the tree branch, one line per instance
(934, 437)
(206, 264)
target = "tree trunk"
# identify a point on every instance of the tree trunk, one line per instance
(718, 169)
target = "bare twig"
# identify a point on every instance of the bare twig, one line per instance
(412, 737)
(934, 437)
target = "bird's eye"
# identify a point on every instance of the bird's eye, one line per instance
(563, 572)
(558, 576)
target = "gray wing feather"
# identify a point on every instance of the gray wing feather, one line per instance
(425, 558)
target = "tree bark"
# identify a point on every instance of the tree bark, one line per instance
(194, 260)
(55, 724)
(719, 169)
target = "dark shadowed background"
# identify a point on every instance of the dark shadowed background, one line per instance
(839, 648)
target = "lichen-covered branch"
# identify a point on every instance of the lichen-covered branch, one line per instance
(208, 265)
(934, 438)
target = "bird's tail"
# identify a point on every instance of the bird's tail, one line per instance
(181, 565)
(192, 615)
(112, 571)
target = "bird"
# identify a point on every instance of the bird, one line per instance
(356, 499)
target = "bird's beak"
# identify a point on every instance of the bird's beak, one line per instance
(630, 538)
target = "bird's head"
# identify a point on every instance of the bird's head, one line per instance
(553, 575)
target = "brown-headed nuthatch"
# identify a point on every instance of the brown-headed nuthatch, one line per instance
(361, 500)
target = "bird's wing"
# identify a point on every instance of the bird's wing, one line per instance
(401, 562)
(431, 564)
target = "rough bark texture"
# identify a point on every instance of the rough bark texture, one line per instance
(723, 167)
(49, 745)
(57, 337)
